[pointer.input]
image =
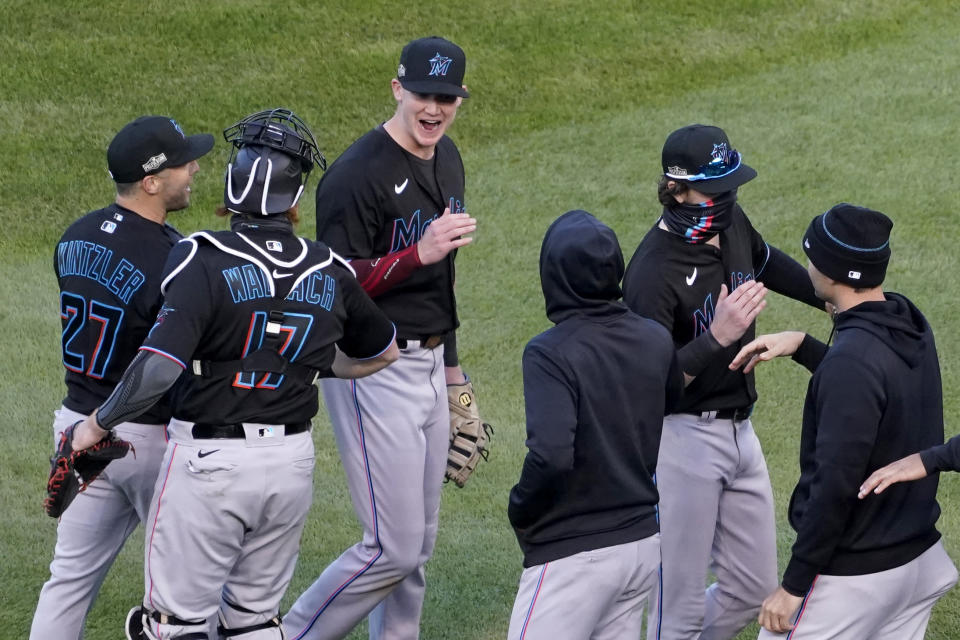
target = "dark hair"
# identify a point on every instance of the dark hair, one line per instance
(126, 188)
(666, 191)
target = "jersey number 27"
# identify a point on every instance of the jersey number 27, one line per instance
(76, 313)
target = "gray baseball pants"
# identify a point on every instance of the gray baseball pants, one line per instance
(393, 432)
(224, 527)
(94, 528)
(596, 594)
(716, 512)
(887, 605)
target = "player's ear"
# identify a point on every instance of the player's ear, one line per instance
(150, 184)
(673, 190)
(397, 89)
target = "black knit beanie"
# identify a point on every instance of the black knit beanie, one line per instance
(850, 244)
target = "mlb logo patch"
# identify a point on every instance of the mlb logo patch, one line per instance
(854, 275)
(273, 245)
(108, 226)
(118, 217)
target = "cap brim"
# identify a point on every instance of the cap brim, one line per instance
(713, 186)
(434, 86)
(197, 145)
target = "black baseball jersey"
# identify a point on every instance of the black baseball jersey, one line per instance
(109, 265)
(677, 284)
(219, 291)
(377, 199)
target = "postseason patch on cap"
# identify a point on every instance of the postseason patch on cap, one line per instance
(155, 162)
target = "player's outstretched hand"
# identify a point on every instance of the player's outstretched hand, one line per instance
(904, 469)
(767, 347)
(737, 311)
(777, 611)
(443, 235)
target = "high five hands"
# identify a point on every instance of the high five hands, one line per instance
(736, 311)
(444, 234)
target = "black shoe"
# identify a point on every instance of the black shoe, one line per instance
(133, 627)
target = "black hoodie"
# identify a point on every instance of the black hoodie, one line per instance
(874, 398)
(596, 386)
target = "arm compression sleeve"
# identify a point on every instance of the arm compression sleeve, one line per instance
(378, 275)
(143, 383)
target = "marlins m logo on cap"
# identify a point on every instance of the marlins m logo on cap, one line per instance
(439, 65)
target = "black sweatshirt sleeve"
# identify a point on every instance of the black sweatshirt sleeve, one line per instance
(945, 457)
(849, 401)
(810, 352)
(786, 276)
(551, 412)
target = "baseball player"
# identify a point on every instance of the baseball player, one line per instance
(716, 504)
(251, 317)
(870, 569)
(393, 204)
(109, 265)
(584, 510)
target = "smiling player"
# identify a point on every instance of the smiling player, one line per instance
(393, 204)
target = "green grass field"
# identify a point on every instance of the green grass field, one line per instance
(571, 101)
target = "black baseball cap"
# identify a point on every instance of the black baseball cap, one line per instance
(702, 156)
(150, 144)
(433, 65)
(850, 244)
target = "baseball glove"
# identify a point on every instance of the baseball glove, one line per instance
(469, 435)
(72, 471)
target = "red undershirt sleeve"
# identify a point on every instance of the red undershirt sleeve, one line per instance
(379, 275)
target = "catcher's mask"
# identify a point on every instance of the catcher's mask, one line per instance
(272, 156)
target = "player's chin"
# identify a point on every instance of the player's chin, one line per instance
(180, 203)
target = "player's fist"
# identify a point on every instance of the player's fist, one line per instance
(443, 235)
(737, 311)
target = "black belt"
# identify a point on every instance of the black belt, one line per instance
(725, 414)
(203, 431)
(426, 342)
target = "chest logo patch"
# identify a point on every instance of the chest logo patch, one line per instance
(398, 188)
(273, 245)
(692, 277)
(108, 226)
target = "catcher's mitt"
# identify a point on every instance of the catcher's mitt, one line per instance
(469, 436)
(72, 471)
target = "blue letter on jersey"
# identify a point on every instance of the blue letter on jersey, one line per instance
(703, 318)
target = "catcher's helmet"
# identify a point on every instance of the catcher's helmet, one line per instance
(272, 156)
